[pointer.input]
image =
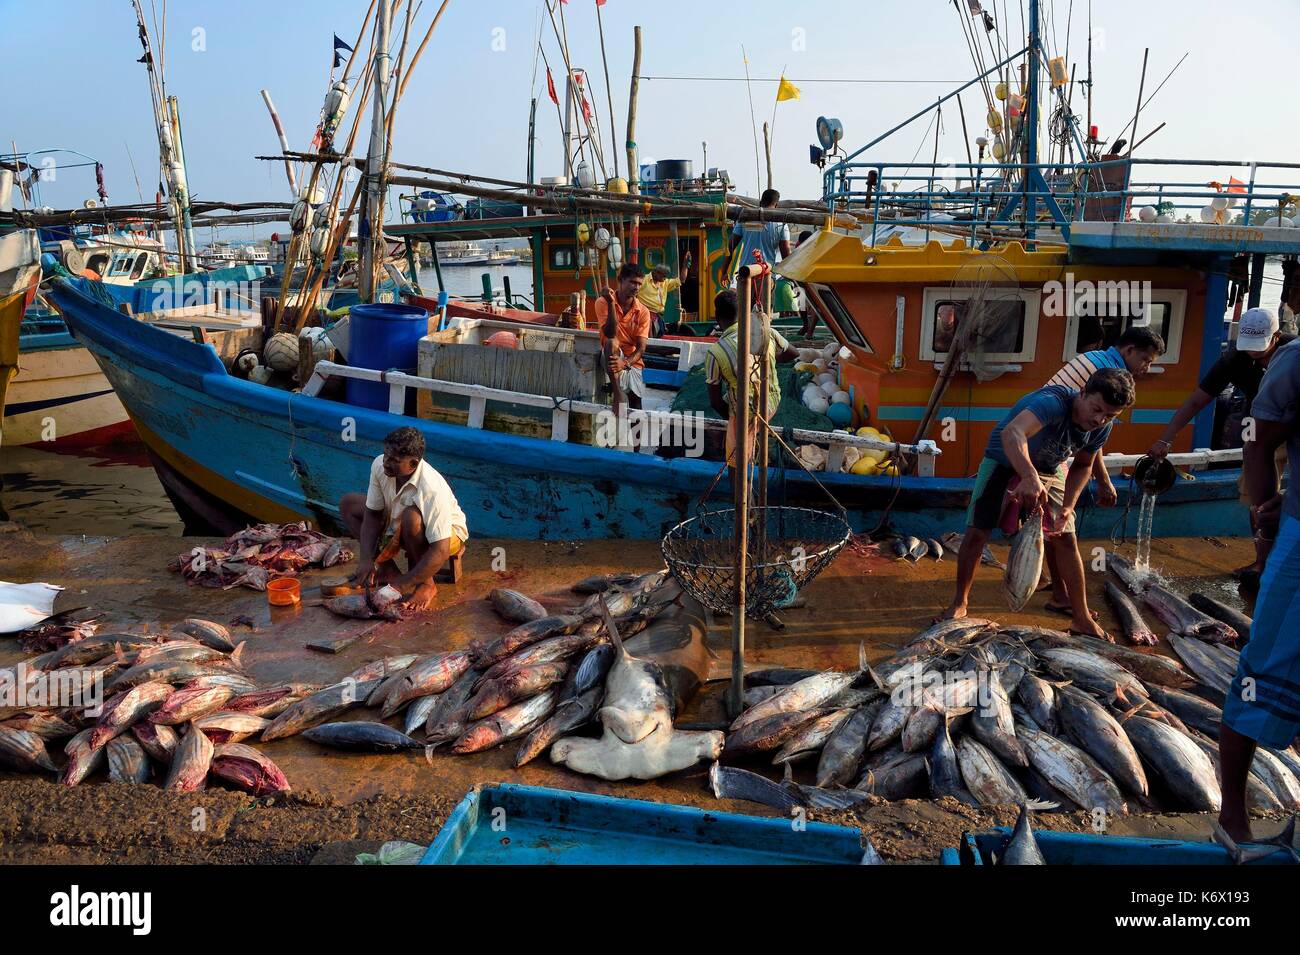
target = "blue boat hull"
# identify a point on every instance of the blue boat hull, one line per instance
(230, 451)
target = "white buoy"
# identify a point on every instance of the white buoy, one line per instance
(1208, 214)
(818, 405)
(829, 388)
(1164, 217)
(840, 398)
(1219, 203)
(1147, 213)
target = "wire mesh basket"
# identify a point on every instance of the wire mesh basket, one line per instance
(787, 548)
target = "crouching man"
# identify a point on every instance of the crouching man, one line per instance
(1024, 460)
(412, 503)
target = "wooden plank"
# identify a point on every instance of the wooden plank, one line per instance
(559, 425)
(477, 409)
(396, 398)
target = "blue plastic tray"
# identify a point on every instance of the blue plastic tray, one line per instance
(1073, 848)
(530, 825)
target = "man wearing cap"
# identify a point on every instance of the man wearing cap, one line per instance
(1243, 366)
(654, 294)
(1262, 707)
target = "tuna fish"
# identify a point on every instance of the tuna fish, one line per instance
(811, 737)
(730, 783)
(448, 718)
(248, 769)
(1039, 699)
(127, 761)
(510, 723)
(514, 686)
(916, 549)
(934, 548)
(1127, 573)
(159, 742)
(1130, 618)
(1022, 848)
(516, 607)
(128, 708)
(180, 651)
(48, 726)
(985, 777)
(24, 750)
(570, 715)
(902, 777)
(1279, 779)
(319, 707)
(1147, 666)
(363, 607)
(159, 671)
(362, 735)
(487, 652)
(778, 676)
(1182, 618)
(842, 754)
(1025, 563)
(1093, 673)
(432, 675)
(804, 695)
(549, 650)
(186, 705)
(601, 583)
(1100, 736)
(1208, 668)
(208, 633)
(270, 702)
(1071, 771)
(382, 668)
(591, 672)
(945, 771)
(1182, 766)
(1220, 611)
(190, 764)
(888, 725)
(83, 759)
(417, 714)
(1196, 712)
(227, 727)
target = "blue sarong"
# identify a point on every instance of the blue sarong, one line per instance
(1264, 700)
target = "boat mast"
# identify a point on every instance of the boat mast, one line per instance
(372, 230)
(172, 163)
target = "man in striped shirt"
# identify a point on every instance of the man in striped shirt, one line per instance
(1135, 352)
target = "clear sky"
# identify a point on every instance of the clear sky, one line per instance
(73, 80)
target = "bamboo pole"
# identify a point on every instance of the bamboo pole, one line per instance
(419, 51)
(284, 141)
(767, 150)
(740, 496)
(633, 250)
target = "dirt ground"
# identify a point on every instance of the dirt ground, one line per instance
(345, 803)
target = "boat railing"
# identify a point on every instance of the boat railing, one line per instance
(1199, 459)
(660, 423)
(977, 197)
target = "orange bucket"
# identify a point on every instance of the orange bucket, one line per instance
(284, 591)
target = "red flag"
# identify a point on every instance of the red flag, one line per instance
(600, 3)
(586, 110)
(550, 87)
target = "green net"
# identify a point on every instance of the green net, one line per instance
(791, 413)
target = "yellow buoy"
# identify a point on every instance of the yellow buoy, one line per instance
(864, 465)
(995, 121)
(1000, 91)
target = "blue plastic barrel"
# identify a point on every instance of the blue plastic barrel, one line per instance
(383, 336)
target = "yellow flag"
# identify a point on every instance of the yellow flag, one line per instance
(786, 90)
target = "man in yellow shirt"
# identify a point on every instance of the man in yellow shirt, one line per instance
(654, 295)
(720, 363)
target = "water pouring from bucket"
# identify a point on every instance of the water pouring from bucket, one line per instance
(1154, 476)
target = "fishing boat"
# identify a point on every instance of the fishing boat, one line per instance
(892, 274)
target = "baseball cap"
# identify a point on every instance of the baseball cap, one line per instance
(1256, 329)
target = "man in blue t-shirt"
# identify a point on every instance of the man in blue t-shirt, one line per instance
(767, 238)
(1263, 705)
(1029, 447)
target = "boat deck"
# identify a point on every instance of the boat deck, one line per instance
(861, 598)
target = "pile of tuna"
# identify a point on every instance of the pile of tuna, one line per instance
(259, 554)
(996, 715)
(174, 706)
(543, 680)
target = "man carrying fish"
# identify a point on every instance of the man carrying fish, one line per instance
(1136, 351)
(1023, 466)
(1262, 707)
(414, 504)
(1243, 367)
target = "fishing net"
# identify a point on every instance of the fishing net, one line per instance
(787, 548)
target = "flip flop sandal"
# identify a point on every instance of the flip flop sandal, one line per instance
(1066, 611)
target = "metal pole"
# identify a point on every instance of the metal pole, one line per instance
(284, 142)
(371, 229)
(740, 488)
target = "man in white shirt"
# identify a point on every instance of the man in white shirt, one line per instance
(411, 502)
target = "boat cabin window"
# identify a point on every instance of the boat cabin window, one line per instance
(96, 263)
(122, 265)
(830, 304)
(1008, 317)
(1103, 327)
(139, 265)
(561, 258)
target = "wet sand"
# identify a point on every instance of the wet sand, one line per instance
(861, 598)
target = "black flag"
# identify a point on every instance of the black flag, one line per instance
(339, 45)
